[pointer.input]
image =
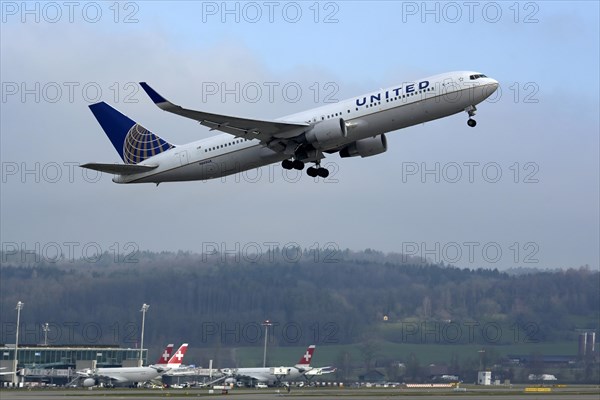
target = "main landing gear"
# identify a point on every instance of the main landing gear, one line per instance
(471, 111)
(313, 172)
(289, 164)
(318, 171)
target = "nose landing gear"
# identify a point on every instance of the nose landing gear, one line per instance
(471, 111)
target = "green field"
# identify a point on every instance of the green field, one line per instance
(426, 353)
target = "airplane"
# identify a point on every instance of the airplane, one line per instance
(131, 375)
(274, 375)
(353, 127)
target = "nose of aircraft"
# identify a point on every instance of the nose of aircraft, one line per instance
(494, 84)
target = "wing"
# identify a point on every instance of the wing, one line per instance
(249, 376)
(265, 131)
(119, 169)
(320, 371)
(112, 378)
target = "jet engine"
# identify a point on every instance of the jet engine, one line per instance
(230, 381)
(327, 133)
(365, 147)
(89, 382)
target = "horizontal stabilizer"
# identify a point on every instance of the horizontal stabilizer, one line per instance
(119, 169)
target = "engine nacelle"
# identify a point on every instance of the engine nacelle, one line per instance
(89, 382)
(365, 147)
(327, 133)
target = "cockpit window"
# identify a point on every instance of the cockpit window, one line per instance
(477, 76)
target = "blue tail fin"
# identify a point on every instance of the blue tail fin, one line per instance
(132, 141)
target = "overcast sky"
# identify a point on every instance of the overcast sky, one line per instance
(520, 189)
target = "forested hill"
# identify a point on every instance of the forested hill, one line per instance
(324, 297)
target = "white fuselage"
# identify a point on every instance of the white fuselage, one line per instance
(267, 375)
(123, 375)
(375, 113)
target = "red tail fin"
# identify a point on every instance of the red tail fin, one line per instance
(177, 358)
(166, 354)
(307, 357)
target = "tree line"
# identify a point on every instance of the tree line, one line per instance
(220, 301)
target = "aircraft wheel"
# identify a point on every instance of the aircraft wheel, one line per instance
(323, 172)
(287, 164)
(299, 165)
(471, 122)
(312, 172)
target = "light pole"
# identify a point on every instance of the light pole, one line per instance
(266, 324)
(20, 305)
(46, 329)
(145, 308)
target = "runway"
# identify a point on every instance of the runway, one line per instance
(568, 393)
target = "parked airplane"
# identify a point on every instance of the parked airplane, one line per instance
(353, 127)
(274, 375)
(132, 375)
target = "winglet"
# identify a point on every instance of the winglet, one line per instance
(153, 94)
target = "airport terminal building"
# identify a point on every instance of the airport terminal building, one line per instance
(57, 364)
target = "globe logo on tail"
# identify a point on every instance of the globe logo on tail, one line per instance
(141, 144)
